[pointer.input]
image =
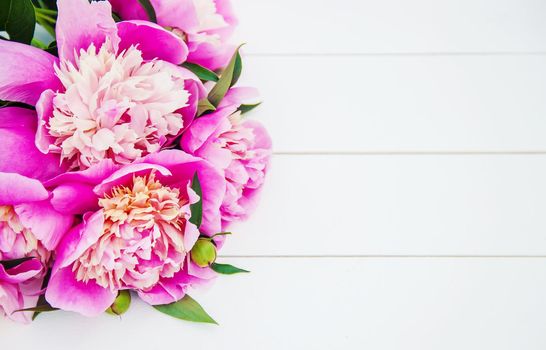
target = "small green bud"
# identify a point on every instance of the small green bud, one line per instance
(203, 252)
(121, 304)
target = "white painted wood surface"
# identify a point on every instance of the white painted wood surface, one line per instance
(392, 26)
(398, 205)
(405, 207)
(327, 303)
(402, 103)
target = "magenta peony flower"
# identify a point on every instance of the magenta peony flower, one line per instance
(136, 231)
(241, 148)
(205, 25)
(29, 225)
(115, 92)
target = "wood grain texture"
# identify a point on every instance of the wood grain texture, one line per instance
(402, 104)
(380, 304)
(391, 26)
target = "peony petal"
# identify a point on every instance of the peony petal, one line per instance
(16, 189)
(168, 290)
(191, 234)
(47, 224)
(77, 240)
(44, 109)
(262, 140)
(25, 72)
(239, 95)
(125, 174)
(19, 289)
(80, 24)
(153, 41)
(86, 298)
(183, 167)
(18, 153)
(163, 293)
(204, 128)
(92, 175)
(173, 13)
(209, 55)
(74, 198)
(22, 272)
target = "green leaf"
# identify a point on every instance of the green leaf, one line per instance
(247, 108)
(148, 7)
(204, 106)
(121, 304)
(186, 309)
(9, 264)
(15, 104)
(201, 72)
(17, 18)
(116, 17)
(229, 76)
(39, 308)
(226, 269)
(197, 208)
(238, 69)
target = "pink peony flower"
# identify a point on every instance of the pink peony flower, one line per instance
(136, 231)
(115, 92)
(29, 225)
(19, 289)
(241, 148)
(205, 25)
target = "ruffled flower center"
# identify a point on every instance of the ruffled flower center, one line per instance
(115, 106)
(247, 168)
(239, 139)
(16, 241)
(208, 16)
(142, 238)
(208, 20)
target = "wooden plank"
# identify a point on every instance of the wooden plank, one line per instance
(402, 104)
(391, 26)
(380, 304)
(398, 205)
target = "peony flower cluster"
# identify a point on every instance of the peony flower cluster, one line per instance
(125, 156)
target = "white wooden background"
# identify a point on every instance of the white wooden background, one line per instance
(406, 206)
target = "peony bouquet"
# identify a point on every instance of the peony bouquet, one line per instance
(125, 153)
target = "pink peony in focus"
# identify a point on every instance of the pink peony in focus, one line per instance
(241, 148)
(205, 25)
(29, 225)
(116, 91)
(136, 232)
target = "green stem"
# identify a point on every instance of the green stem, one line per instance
(45, 11)
(45, 18)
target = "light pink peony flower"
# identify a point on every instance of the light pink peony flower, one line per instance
(241, 148)
(136, 232)
(205, 25)
(115, 92)
(29, 225)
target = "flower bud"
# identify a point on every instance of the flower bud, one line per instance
(203, 252)
(121, 304)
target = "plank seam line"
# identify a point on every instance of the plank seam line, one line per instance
(394, 54)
